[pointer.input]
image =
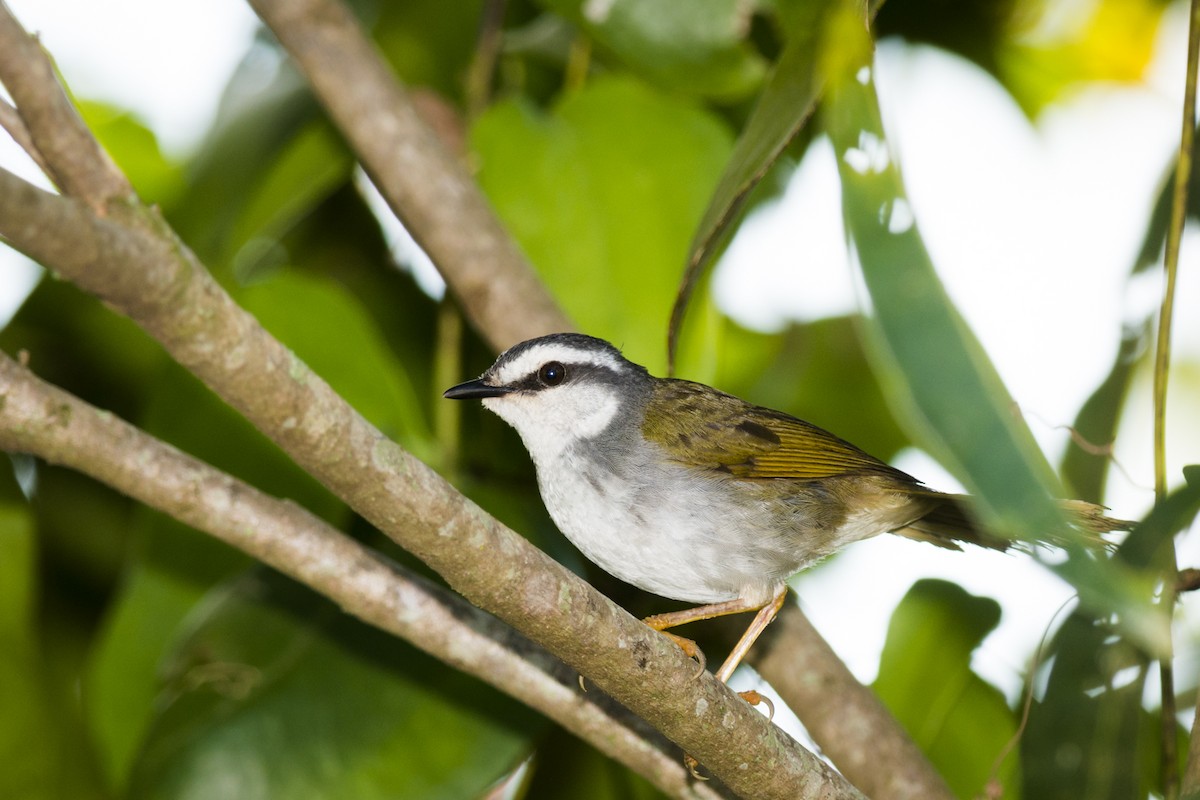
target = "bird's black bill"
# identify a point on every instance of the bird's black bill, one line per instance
(474, 390)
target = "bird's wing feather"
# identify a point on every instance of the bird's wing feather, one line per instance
(721, 432)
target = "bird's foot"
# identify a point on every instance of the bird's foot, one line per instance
(754, 698)
(693, 766)
(690, 649)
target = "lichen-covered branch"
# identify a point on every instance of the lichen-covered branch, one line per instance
(45, 421)
(76, 162)
(129, 257)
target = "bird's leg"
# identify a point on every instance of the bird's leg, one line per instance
(671, 619)
(762, 619)
(766, 613)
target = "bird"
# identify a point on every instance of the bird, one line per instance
(697, 495)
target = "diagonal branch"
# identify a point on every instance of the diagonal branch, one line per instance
(323, 38)
(77, 164)
(132, 260)
(45, 421)
(142, 271)
(12, 123)
(426, 186)
(145, 272)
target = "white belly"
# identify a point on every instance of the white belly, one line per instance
(668, 533)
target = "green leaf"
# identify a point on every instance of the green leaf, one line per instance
(277, 694)
(1144, 546)
(781, 112)
(135, 150)
(427, 46)
(699, 46)
(122, 679)
(1085, 738)
(332, 333)
(563, 766)
(305, 171)
(603, 194)
(43, 753)
(1089, 736)
(961, 722)
(1085, 471)
(939, 377)
(237, 157)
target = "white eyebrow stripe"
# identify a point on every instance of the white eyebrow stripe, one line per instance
(532, 359)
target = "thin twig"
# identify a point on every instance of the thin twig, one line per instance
(11, 121)
(71, 156)
(1162, 361)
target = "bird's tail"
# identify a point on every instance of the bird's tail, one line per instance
(949, 522)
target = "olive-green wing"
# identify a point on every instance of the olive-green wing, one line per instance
(710, 429)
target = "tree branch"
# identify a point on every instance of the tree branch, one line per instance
(77, 164)
(323, 37)
(11, 121)
(44, 421)
(132, 259)
(154, 279)
(426, 186)
(159, 284)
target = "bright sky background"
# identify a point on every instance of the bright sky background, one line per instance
(1003, 204)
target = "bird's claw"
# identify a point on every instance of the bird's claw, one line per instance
(693, 766)
(754, 698)
(690, 649)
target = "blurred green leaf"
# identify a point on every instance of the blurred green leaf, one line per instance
(261, 115)
(426, 45)
(135, 149)
(1044, 53)
(331, 332)
(954, 398)
(563, 766)
(1085, 471)
(121, 682)
(305, 171)
(43, 754)
(341, 240)
(698, 47)
(277, 694)
(603, 195)
(1145, 545)
(783, 109)
(1083, 739)
(961, 722)
(1089, 736)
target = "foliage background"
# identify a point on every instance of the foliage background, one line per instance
(140, 658)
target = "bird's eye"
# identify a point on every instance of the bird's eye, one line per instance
(552, 373)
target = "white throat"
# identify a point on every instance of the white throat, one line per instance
(552, 420)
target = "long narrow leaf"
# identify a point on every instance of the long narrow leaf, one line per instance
(941, 380)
